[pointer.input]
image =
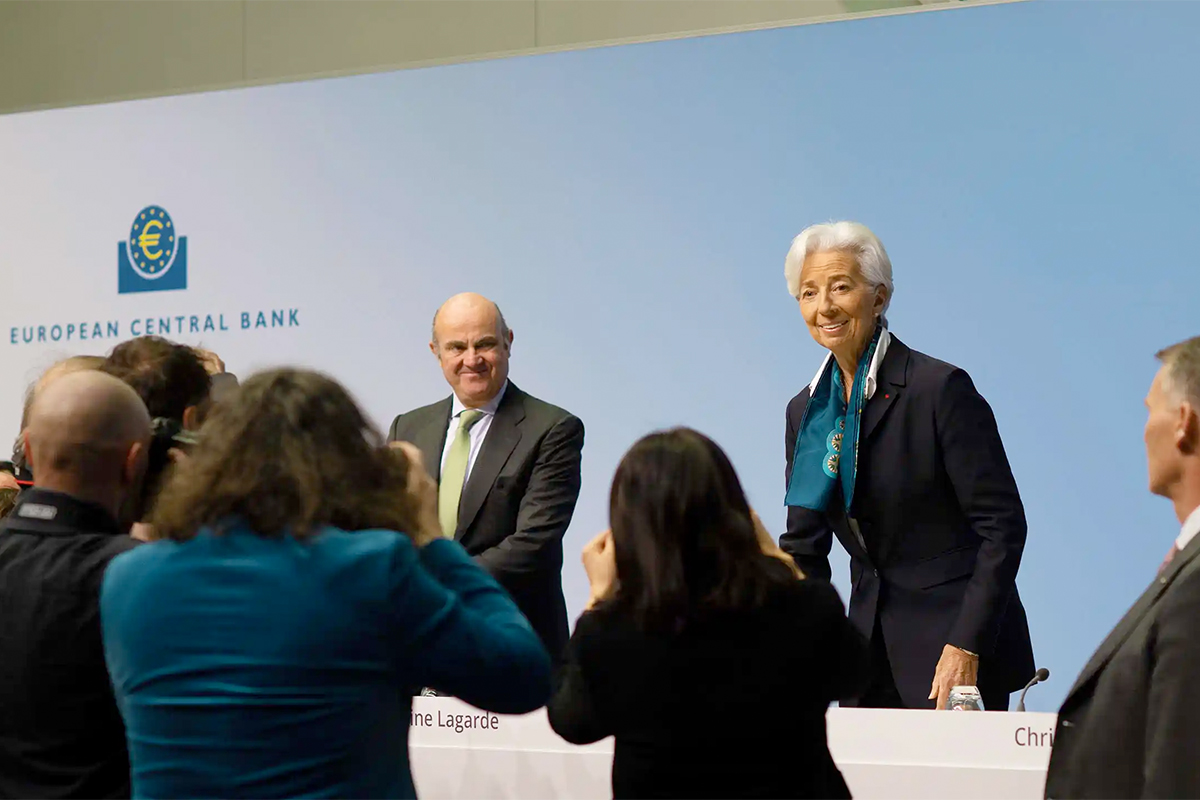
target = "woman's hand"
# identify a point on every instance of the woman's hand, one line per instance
(600, 563)
(769, 546)
(956, 667)
(142, 531)
(424, 493)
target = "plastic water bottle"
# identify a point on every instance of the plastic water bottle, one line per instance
(965, 698)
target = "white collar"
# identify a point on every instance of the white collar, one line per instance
(1191, 526)
(880, 351)
(457, 406)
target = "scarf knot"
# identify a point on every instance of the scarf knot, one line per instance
(826, 451)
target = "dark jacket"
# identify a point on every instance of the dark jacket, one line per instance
(734, 706)
(942, 527)
(60, 732)
(1130, 726)
(518, 500)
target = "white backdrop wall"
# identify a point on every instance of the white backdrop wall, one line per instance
(1029, 167)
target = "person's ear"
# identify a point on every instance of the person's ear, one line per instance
(191, 416)
(27, 450)
(881, 297)
(433, 348)
(1187, 435)
(508, 342)
(135, 464)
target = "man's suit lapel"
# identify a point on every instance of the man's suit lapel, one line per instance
(1133, 617)
(889, 380)
(430, 437)
(502, 438)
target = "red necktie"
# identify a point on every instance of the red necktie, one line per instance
(1174, 551)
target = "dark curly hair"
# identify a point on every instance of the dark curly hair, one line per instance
(287, 452)
(169, 377)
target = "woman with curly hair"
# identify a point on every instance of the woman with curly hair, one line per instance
(269, 642)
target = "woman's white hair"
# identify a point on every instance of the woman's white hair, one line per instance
(848, 237)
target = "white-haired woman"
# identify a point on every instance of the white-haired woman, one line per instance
(898, 455)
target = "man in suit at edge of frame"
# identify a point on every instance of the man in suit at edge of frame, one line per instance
(1130, 724)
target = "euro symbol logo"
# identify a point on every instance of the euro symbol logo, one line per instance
(147, 240)
(153, 257)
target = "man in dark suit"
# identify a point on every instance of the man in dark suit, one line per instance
(61, 734)
(1130, 725)
(507, 464)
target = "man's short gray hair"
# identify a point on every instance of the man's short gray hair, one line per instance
(1182, 376)
(501, 325)
(849, 237)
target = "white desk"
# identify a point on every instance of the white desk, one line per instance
(882, 753)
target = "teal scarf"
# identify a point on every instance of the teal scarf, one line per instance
(829, 431)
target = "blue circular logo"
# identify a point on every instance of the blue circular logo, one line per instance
(152, 242)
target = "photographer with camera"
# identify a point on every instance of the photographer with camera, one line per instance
(17, 468)
(85, 437)
(176, 384)
(269, 643)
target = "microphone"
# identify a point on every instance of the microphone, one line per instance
(1041, 675)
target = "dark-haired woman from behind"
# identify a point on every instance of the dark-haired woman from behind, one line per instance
(703, 651)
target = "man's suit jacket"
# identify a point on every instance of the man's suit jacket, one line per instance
(942, 527)
(518, 499)
(1130, 726)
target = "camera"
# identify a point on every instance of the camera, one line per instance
(17, 467)
(166, 435)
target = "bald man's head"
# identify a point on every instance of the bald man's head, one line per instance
(472, 341)
(87, 435)
(474, 305)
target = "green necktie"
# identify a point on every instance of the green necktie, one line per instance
(454, 472)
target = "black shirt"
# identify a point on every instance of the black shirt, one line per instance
(733, 706)
(60, 732)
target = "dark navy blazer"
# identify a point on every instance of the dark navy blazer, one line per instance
(941, 522)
